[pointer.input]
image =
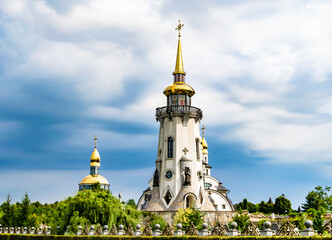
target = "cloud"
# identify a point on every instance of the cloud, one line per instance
(68, 71)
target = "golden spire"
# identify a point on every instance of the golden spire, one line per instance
(95, 141)
(179, 59)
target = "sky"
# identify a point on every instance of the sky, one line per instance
(70, 70)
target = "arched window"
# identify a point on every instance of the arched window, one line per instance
(190, 201)
(170, 147)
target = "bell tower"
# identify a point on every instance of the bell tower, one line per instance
(179, 177)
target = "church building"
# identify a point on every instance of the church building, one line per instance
(182, 177)
(94, 176)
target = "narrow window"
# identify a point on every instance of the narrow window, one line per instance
(170, 143)
(197, 149)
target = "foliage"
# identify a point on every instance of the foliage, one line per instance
(131, 202)
(261, 222)
(156, 219)
(319, 199)
(298, 220)
(187, 216)
(282, 205)
(242, 221)
(317, 219)
(86, 207)
(94, 207)
(245, 205)
(7, 217)
(265, 207)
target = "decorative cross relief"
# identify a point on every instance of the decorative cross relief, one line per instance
(185, 150)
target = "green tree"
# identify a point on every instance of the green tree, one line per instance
(317, 219)
(25, 211)
(265, 207)
(282, 205)
(96, 207)
(246, 205)
(318, 199)
(131, 202)
(7, 218)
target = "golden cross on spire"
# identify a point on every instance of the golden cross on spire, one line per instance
(179, 27)
(203, 128)
(95, 141)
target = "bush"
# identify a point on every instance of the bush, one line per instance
(261, 222)
(242, 221)
(156, 219)
(187, 216)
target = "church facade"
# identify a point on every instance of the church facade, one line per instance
(182, 177)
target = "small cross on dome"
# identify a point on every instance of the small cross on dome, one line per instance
(179, 27)
(95, 141)
(203, 128)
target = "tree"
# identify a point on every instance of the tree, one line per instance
(246, 205)
(318, 199)
(317, 219)
(282, 205)
(265, 207)
(25, 211)
(93, 207)
(131, 202)
(7, 209)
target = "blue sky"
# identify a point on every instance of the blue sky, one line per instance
(262, 73)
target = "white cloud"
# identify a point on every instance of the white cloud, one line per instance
(246, 61)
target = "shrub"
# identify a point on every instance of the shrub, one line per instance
(242, 221)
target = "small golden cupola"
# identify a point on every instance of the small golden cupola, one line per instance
(204, 143)
(179, 87)
(94, 176)
(95, 160)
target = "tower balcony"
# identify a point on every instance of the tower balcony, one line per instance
(179, 111)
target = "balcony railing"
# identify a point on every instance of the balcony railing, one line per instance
(178, 109)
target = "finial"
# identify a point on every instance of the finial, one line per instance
(179, 59)
(95, 141)
(179, 27)
(203, 128)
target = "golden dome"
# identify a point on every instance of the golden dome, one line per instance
(95, 155)
(205, 146)
(179, 87)
(90, 179)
